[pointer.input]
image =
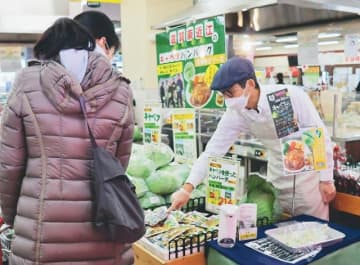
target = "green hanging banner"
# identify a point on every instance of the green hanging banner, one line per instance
(187, 59)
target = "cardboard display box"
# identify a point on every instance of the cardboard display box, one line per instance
(347, 203)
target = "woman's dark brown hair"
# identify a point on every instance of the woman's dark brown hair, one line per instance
(65, 33)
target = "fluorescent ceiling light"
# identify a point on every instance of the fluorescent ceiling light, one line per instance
(326, 35)
(266, 48)
(328, 42)
(286, 39)
(290, 46)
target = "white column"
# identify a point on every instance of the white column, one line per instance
(138, 43)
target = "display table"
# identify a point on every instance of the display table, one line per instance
(243, 255)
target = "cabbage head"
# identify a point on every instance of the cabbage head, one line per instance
(140, 186)
(138, 136)
(161, 154)
(182, 170)
(140, 166)
(151, 200)
(264, 202)
(137, 148)
(165, 180)
(265, 195)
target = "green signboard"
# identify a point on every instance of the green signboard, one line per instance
(187, 59)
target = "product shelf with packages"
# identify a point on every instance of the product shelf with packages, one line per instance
(179, 233)
(347, 183)
(182, 233)
(6, 236)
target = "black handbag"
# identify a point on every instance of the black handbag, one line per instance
(117, 209)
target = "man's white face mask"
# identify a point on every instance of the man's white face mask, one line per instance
(105, 50)
(99, 49)
(237, 103)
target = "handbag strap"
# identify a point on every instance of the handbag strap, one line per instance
(83, 110)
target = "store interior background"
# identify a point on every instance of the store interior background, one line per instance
(137, 22)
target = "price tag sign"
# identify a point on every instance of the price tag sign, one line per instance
(225, 184)
(282, 113)
(184, 134)
(152, 123)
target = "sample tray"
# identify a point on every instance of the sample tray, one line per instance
(304, 235)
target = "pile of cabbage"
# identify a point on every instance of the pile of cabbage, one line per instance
(138, 136)
(156, 176)
(265, 195)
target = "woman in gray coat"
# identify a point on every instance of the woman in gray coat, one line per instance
(45, 153)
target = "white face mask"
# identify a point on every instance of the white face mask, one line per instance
(99, 49)
(237, 103)
(102, 51)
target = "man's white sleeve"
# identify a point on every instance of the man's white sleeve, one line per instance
(228, 130)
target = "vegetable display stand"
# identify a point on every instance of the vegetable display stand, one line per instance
(178, 247)
(347, 203)
(145, 257)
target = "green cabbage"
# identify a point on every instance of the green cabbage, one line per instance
(265, 195)
(181, 170)
(140, 185)
(163, 181)
(264, 203)
(161, 154)
(138, 136)
(168, 179)
(139, 166)
(151, 200)
(137, 149)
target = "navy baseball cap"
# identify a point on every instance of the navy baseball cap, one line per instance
(234, 70)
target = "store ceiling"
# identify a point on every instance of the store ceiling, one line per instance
(281, 17)
(257, 16)
(24, 21)
(268, 23)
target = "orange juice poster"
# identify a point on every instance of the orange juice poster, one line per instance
(224, 184)
(152, 123)
(304, 151)
(184, 135)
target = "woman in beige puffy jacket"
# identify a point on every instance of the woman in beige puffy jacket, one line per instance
(45, 151)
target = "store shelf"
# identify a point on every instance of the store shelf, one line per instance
(347, 203)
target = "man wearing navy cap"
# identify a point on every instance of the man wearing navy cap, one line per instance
(248, 112)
